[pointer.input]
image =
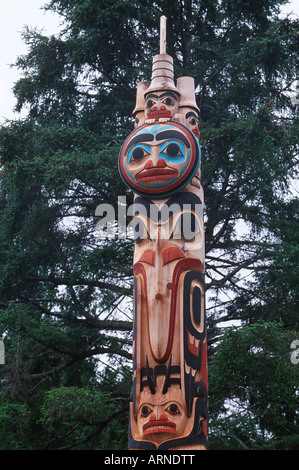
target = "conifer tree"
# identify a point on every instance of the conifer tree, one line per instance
(66, 296)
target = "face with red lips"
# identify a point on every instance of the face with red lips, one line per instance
(158, 423)
(159, 160)
(161, 106)
(192, 122)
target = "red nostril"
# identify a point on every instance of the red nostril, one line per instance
(149, 164)
(161, 163)
(153, 417)
(163, 416)
(162, 107)
(154, 108)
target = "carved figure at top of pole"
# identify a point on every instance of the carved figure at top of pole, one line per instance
(162, 155)
(162, 96)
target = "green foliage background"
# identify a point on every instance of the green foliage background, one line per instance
(66, 297)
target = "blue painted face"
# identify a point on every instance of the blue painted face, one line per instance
(158, 160)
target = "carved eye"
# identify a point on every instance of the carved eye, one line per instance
(168, 101)
(150, 103)
(173, 409)
(145, 411)
(193, 120)
(138, 153)
(173, 150)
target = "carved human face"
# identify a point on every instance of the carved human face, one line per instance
(162, 418)
(168, 237)
(160, 159)
(161, 105)
(161, 422)
(192, 122)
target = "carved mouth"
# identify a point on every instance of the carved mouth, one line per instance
(159, 113)
(156, 174)
(159, 426)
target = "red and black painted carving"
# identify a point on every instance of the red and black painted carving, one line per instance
(160, 161)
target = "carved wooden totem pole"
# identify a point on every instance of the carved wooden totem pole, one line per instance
(161, 162)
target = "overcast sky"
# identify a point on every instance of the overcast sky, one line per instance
(14, 15)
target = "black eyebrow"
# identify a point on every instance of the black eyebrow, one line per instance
(139, 138)
(151, 95)
(192, 114)
(172, 135)
(166, 93)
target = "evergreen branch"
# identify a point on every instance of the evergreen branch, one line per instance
(101, 424)
(231, 274)
(79, 281)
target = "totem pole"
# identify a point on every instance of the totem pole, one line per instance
(161, 162)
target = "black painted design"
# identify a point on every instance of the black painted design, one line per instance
(176, 203)
(193, 358)
(150, 374)
(133, 391)
(197, 435)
